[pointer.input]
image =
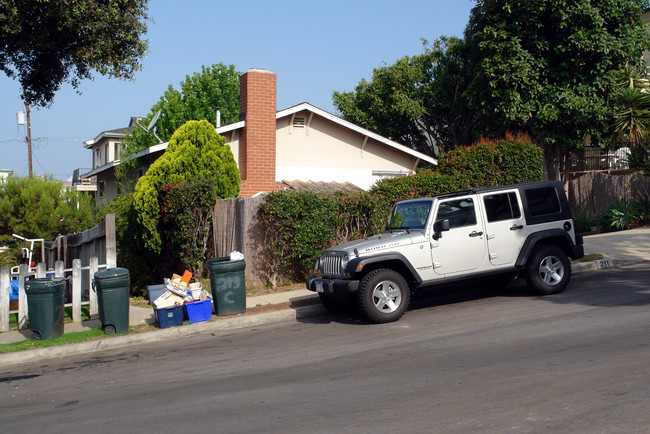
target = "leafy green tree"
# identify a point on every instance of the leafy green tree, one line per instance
(546, 68)
(195, 151)
(631, 109)
(198, 98)
(44, 43)
(41, 208)
(419, 101)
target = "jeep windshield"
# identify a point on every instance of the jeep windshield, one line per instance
(409, 215)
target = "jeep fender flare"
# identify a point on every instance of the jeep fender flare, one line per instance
(387, 258)
(538, 237)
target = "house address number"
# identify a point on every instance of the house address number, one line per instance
(604, 263)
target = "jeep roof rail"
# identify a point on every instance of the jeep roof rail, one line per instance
(456, 193)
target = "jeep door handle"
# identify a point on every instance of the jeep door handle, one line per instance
(476, 234)
(516, 227)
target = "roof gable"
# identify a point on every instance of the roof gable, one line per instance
(340, 121)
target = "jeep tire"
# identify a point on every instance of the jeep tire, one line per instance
(548, 270)
(383, 296)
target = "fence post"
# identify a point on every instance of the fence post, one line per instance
(58, 269)
(111, 245)
(5, 277)
(40, 270)
(92, 295)
(76, 290)
(22, 297)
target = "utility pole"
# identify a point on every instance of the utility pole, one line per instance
(29, 136)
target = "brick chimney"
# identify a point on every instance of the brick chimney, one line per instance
(257, 141)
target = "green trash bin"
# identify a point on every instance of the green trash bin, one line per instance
(113, 289)
(228, 284)
(45, 307)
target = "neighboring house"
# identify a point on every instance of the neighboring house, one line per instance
(298, 147)
(4, 173)
(106, 151)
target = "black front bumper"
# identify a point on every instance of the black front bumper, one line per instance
(323, 285)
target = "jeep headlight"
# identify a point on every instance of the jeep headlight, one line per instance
(318, 265)
(344, 262)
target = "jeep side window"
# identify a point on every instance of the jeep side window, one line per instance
(502, 206)
(542, 201)
(459, 212)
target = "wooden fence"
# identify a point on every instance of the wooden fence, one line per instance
(595, 191)
(83, 253)
(236, 226)
(72, 276)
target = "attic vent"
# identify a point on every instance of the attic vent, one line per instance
(298, 122)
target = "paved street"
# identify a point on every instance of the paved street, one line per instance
(472, 362)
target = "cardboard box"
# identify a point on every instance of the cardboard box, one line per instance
(168, 299)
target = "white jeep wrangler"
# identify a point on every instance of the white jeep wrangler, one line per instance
(523, 229)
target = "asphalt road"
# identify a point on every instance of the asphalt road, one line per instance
(461, 361)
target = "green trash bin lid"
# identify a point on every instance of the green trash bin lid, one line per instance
(225, 265)
(111, 273)
(44, 285)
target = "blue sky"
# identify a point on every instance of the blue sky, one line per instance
(314, 48)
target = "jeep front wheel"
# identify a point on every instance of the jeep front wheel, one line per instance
(383, 296)
(548, 271)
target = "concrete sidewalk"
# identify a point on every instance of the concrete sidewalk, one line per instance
(145, 315)
(618, 247)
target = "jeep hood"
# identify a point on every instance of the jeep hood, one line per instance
(376, 243)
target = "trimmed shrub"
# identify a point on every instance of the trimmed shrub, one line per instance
(489, 163)
(195, 151)
(299, 225)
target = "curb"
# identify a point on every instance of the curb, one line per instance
(172, 333)
(599, 264)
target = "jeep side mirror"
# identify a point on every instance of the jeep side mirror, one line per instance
(439, 227)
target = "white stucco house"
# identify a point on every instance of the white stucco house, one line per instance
(298, 146)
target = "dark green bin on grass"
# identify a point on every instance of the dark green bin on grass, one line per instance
(113, 288)
(46, 310)
(228, 284)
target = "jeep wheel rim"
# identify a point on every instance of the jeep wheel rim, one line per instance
(387, 296)
(551, 270)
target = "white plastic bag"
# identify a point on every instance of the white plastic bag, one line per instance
(236, 256)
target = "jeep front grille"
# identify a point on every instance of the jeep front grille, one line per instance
(332, 265)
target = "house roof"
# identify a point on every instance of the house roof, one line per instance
(279, 115)
(322, 186)
(118, 133)
(150, 150)
(340, 121)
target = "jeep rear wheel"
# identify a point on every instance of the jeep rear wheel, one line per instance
(383, 296)
(548, 270)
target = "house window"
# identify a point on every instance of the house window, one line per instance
(378, 175)
(97, 162)
(117, 151)
(105, 153)
(102, 189)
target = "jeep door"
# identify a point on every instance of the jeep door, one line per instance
(505, 225)
(461, 248)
